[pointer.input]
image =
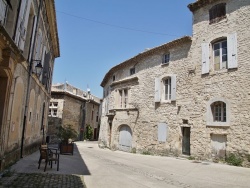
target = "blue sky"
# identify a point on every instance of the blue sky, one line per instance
(95, 35)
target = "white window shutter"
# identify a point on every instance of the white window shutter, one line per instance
(23, 29)
(232, 51)
(33, 35)
(157, 89)
(173, 88)
(205, 58)
(162, 132)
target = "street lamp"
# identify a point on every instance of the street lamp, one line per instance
(38, 68)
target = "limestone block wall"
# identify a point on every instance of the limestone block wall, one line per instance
(228, 84)
(195, 91)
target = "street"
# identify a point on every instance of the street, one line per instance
(109, 169)
(103, 168)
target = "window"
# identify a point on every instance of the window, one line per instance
(54, 112)
(123, 98)
(219, 111)
(220, 55)
(223, 54)
(217, 13)
(132, 71)
(166, 58)
(165, 88)
(3, 12)
(53, 109)
(113, 77)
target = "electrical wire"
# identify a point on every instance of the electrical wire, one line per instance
(116, 26)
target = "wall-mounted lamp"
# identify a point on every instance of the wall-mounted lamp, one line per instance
(38, 68)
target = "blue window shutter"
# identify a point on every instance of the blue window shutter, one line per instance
(205, 58)
(173, 88)
(232, 51)
(157, 89)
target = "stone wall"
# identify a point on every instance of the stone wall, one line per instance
(194, 92)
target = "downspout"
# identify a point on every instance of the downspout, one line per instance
(18, 12)
(29, 79)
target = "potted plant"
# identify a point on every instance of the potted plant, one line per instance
(66, 135)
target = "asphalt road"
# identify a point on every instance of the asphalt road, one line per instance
(116, 169)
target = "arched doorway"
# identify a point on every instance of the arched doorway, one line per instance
(125, 138)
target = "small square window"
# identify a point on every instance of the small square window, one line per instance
(166, 58)
(132, 71)
(217, 12)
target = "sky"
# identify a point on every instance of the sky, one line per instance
(96, 35)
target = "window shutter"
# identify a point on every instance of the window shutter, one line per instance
(162, 132)
(205, 58)
(33, 35)
(173, 87)
(157, 89)
(232, 51)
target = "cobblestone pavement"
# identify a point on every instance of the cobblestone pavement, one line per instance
(37, 180)
(25, 173)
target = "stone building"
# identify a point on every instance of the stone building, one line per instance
(72, 106)
(189, 96)
(28, 47)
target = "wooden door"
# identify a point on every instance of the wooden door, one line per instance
(186, 140)
(125, 138)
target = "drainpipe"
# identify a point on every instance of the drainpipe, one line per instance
(29, 79)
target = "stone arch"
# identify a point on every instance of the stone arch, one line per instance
(30, 115)
(125, 137)
(209, 115)
(16, 113)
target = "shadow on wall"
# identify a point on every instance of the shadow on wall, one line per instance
(53, 124)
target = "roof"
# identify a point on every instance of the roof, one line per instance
(200, 3)
(143, 54)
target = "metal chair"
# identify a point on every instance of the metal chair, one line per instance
(49, 156)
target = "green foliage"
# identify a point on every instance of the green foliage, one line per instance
(66, 133)
(248, 158)
(133, 150)
(234, 160)
(146, 153)
(88, 132)
(191, 158)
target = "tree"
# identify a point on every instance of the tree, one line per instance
(88, 132)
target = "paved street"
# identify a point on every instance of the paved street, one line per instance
(108, 169)
(118, 169)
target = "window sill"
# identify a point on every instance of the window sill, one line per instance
(164, 64)
(166, 101)
(219, 71)
(218, 124)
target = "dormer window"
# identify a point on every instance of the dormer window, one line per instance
(217, 13)
(166, 58)
(132, 71)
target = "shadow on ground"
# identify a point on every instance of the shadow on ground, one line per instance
(25, 172)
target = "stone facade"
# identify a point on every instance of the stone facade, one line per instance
(25, 42)
(206, 113)
(72, 106)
